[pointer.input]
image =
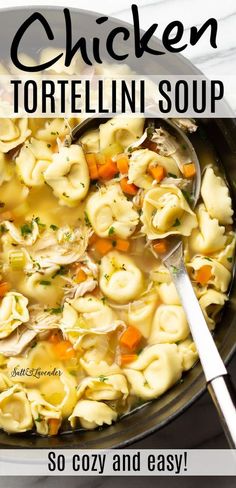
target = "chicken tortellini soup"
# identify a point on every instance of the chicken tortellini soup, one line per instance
(91, 324)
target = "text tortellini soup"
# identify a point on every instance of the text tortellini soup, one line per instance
(90, 321)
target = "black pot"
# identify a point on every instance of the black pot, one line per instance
(222, 133)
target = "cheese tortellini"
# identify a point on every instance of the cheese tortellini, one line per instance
(13, 312)
(13, 132)
(68, 175)
(120, 279)
(157, 368)
(15, 412)
(110, 212)
(124, 130)
(34, 158)
(169, 325)
(165, 212)
(209, 237)
(92, 414)
(139, 163)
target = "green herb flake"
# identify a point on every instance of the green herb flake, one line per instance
(102, 378)
(40, 224)
(230, 259)
(174, 269)
(150, 132)
(188, 196)
(49, 145)
(177, 223)
(45, 283)
(39, 418)
(171, 175)
(55, 310)
(26, 229)
(111, 231)
(106, 276)
(87, 221)
(54, 227)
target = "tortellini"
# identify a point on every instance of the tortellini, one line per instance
(68, 175)
(211, 302)
(5, 170)
(169, 325)
(120, 279)
(87, 315)
(215, 195)
(140, 313)
(220, 276)
(15, 412)
(112, 387)
(210, 236)
(123, 130)
(90, 141)
(188, 352)
(34, 158)
(13, 312)
(43, 412)
(157, 368)
(92, 414)
(109, 211)
(168, 294)
(139, 163)
(13, 132)
(165, 212)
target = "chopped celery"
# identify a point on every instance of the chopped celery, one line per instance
(17, 260)
(112, 150)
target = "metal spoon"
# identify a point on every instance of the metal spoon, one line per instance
(217, 378)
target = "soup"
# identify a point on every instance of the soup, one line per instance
(90, 320)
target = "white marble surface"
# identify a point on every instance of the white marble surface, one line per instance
(189, 430)
(190, 12)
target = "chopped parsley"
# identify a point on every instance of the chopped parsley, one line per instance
(230, 259)
(40, 224)
(102, 378)
(111, 231)
(26, 229)
(106, 276)
(55, 310)
(171, 175)
(39, 418)
(54, 227)
(177, 223)
(45, 283)
(65, 195)
(82, 184)
(208, 259)
(174, 269)
(3, 228)
(60, 272)
(87, 221)
(188, 196)
(49, 145)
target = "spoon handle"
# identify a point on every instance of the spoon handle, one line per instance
(212, 364)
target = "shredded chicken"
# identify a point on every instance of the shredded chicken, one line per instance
(188, 125)
(14, 344)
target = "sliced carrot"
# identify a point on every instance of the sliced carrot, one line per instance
(103, 246)
(93, 239)
(64, 350)
(81, 276)
(122, 245)
(189, 170)
(128, 188)
(204, 274)
(130, 338)
(157, 172)
(160, 247)
(92, 166)
(4, 288)
(127, 358)
(123, 164)
(53, 426)
(108, 170)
